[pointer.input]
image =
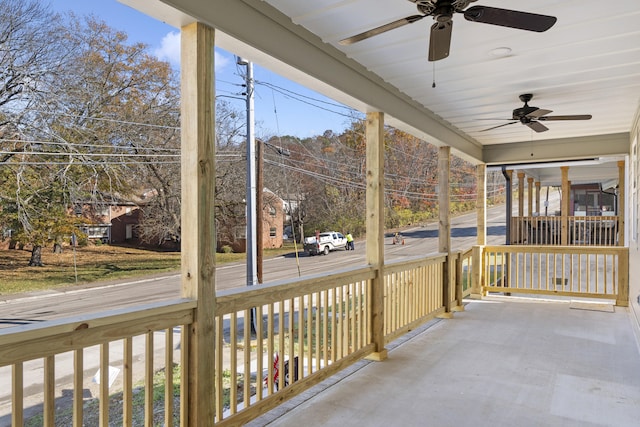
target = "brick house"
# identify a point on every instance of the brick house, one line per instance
(232, 233)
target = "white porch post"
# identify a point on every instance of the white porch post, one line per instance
(198, 232)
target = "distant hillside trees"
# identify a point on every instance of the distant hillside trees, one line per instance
(325, 177)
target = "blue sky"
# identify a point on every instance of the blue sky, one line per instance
(278, 111)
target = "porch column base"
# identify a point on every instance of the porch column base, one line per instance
(475, 296)
(458, 308)
(378, 356)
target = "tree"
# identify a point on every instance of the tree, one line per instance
(29, 41)
(109, 108)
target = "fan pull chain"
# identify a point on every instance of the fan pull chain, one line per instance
(434, 75)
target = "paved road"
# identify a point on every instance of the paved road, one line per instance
(418, 240)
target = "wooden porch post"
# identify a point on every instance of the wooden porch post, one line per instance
(477, 273)
(622, 299)
(530, 196)
(520, 194)
(374, 134)
(564, 214)
(444, 229)
(538, 197)
(481, 202)
(198, 232)
(621, 203)
(509, 207)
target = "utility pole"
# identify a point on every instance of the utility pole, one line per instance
(259, 225)
(252, 273)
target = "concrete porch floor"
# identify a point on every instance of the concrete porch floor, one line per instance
(501, 362)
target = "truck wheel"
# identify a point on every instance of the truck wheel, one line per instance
(326, 250)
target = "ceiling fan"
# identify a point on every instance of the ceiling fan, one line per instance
(532, 116)
(442, 12)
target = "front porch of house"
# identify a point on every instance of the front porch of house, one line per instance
(479, 361)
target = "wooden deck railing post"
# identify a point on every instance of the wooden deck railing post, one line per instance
(375, 227)
(446, 287)
(458, 282)
(623, 278)
(198, 233)
(477, 272)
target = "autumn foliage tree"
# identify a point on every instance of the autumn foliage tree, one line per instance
(98, 112)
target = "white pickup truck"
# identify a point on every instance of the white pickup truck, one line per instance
(325, 243)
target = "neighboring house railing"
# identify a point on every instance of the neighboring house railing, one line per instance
(571, 271)
(581, 230)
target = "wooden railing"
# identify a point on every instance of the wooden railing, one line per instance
(104, 343)
(312, 328)
(273, 341)
(465, 272)
(305, 330)
(572, 271)
(276, 340)
(413, 294)
(581, 230)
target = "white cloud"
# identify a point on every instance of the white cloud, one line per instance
(220, 61)
(169, 50)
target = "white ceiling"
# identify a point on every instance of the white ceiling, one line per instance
(587, 63)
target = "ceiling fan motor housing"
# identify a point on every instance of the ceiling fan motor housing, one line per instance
(427, 7)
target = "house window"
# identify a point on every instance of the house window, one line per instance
(272, 211)
(272, 232)
(103, 211)
(127, 211)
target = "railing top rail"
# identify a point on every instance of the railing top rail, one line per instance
(557, 249)
(133, 321)
(416, 261)
(233, 300)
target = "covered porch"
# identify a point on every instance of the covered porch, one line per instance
(508, 362)
(501, 362)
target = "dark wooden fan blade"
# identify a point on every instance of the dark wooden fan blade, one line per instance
(381, 29)
(499, 126)
(440, 40)
(510, 18)
(538, 127)
(574, 117)
(538, 113)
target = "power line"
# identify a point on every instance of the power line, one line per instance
(72, 144)
(109, 120)
(41, 153)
